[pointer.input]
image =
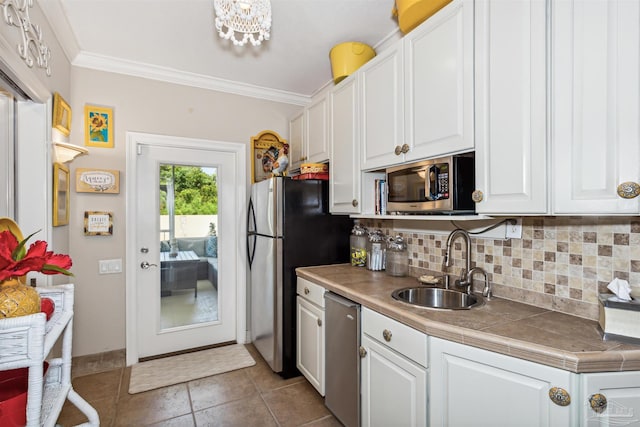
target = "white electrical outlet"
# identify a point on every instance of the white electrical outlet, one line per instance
(513, 228)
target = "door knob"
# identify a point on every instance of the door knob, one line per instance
(405, 148)
(559, 396)
(598, 402)
(386, 334)
(398, 150)
(145, 265)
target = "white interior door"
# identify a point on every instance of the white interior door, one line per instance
(186, 295)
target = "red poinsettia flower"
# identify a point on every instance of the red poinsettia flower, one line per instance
(16, 262)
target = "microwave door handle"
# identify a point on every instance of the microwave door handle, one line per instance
(432, 182)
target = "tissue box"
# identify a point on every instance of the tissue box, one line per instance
(619, 319)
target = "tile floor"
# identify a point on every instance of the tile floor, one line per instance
(252, 396)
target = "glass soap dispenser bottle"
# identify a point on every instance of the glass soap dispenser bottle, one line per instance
(397, 262)
(376, 249)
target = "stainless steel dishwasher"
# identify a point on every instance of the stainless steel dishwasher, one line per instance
(342, 359)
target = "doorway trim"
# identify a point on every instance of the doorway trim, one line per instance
(135, 138)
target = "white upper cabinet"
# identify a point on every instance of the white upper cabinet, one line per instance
(438, 67)
(382, 109)
(317, 128)
(297, 147)
(510, 108)
(595, 105)
(344, 144)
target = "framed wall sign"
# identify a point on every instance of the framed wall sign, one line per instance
(269, 156)
(98, 126)
(61, 114)
(60, 194)
(105, 181)
(98, 223)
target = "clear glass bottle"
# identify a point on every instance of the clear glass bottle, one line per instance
(358, 243)
(397, 257)
(376, 249)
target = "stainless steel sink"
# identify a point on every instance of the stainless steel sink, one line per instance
(437, 298)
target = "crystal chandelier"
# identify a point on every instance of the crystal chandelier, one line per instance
(249, 18)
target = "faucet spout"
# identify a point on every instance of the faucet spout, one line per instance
(458, 232)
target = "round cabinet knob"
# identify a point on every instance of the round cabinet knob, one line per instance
(398, 150)
(319, 322)
(354, 203)
(362, 351)
(477, 196)
(386, 334)
(598, 402)
(559, 396)
(405, 148)
(628, 190)
(306, 291)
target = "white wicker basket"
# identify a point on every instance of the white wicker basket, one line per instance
(25, 342)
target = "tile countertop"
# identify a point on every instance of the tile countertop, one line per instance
(508, 327)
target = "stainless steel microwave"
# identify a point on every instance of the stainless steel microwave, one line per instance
(443, 185)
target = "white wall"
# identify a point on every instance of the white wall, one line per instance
(148, 106)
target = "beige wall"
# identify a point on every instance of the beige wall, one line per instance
(147, 106)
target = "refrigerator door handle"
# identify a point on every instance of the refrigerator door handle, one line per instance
(251, 217)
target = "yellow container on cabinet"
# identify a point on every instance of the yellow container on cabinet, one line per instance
(412, 13)
(348, 57)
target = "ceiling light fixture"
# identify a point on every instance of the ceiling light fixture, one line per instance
(250, 18)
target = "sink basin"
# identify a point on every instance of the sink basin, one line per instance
(437, 298)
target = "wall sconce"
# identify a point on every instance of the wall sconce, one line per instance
(64, 152)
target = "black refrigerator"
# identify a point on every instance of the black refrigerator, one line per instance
(289, 226)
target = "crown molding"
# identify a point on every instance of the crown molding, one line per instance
(170, 75)
(54, 14)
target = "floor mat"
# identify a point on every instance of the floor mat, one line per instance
(186, 367)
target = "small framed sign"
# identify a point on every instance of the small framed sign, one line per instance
(104, 181)
(98, 223)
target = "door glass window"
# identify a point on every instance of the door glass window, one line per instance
(188, 245)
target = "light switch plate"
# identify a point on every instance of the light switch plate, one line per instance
(513, 228)
(110, 266)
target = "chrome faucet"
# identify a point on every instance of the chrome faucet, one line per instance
(447, 256)
(466, 275)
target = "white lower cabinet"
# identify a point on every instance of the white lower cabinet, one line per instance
(393, 373)
(610, 399)
(475, 387)
(310, 333)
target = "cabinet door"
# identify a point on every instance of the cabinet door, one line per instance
(317, 123)
(439, 83)
(596, 104)
(394, 389)
(511, 142)
(344, 143)
(471, 387)
(297, 149)
(622, 393)
(310, 346)
(382, 109)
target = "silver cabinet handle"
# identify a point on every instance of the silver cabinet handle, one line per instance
(145, 265)
(386, 334)
(362, 351)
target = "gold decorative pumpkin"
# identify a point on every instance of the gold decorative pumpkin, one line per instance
(18, 299)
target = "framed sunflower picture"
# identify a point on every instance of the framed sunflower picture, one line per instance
(98, 126)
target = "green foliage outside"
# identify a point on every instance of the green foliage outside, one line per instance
(196, 192)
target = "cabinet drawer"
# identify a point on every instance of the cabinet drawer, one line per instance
(310, 291)
(393, 334)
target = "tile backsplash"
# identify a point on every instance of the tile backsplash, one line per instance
(561, 263)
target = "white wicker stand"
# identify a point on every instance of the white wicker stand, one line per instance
(26, 342)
